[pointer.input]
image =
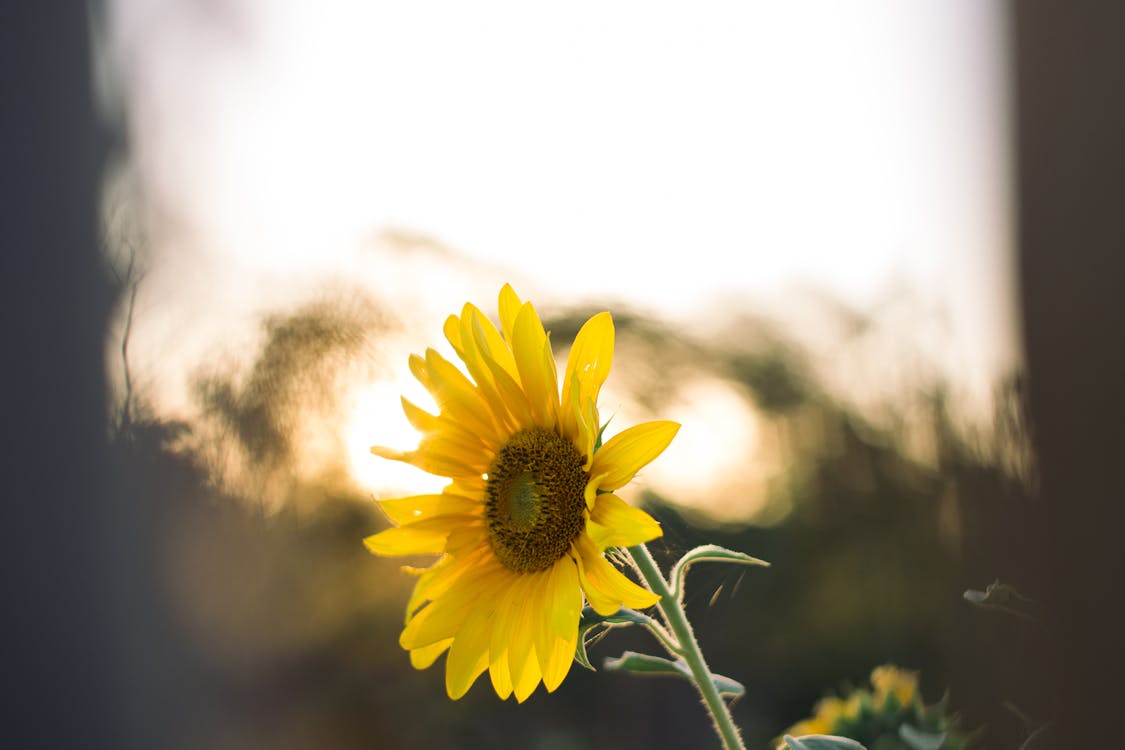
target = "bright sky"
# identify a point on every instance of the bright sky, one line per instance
(673, 156)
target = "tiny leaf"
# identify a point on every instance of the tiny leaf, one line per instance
(727, 687)
(919, 740)
(1005, 598)
(708, 553)
(580, 655)
(591, 622)
(822, 742)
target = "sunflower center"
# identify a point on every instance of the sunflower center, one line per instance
(536, 496)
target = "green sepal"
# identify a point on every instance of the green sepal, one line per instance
(822, 742)
(707, 553)
(919, 740)
(631, 661)
(1005, 598)
(601, 433)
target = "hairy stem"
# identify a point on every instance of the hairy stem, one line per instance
(672, 610)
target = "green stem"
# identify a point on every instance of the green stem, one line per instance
(673, 611)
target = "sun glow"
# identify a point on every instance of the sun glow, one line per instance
(720, 459)
(377, 419)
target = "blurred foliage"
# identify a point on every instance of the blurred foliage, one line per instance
(889, 716)
(277, 629)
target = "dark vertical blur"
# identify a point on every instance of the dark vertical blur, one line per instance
(58, 674)
(1070, 77)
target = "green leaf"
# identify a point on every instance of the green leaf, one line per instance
(727, 687)
(1002, 597)
(631, 661)
(919, 740)
(822, 742)
(708, 553)
(626, 616)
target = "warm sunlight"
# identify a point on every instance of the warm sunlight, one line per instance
(377, 419)
(720, 459)
(799, 218)
(694, 179)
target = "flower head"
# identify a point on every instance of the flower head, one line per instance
(529, 511)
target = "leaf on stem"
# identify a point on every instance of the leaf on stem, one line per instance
(919, 740)
(708, 553)
(631, 661)
(822, 742)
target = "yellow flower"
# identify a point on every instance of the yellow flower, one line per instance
(889, 679)
(830, 710)
(524, 523)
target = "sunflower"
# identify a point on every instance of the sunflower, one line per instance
(523, 525)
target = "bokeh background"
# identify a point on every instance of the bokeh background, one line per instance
(810, 222)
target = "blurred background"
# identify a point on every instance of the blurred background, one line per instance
(804, 220)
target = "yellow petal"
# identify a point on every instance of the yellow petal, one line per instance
(433, 461)
(629, 451)
(592, 488)
(558, 629)
(468, 656)
(444, 425)
(606, 588)
(421, 658)
(531, 615)
(424, 537)
(466, 537)
(456, 394)
(562, 599)
(529, 678)
(460, 447)
(565, 600)
(578, 421)
(588, 365)
(441, 618)
(404, 510)
(521, 637)
(502, 377)
(509, 307)
(474, 355)
(418, 417)
(452, 331)
(445, 573)
(536, 366)
(615, 523)
(488, 339)
(558, 664)
(500, 675)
